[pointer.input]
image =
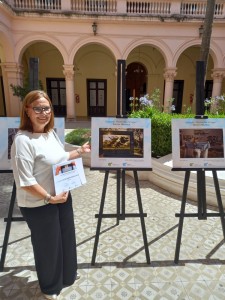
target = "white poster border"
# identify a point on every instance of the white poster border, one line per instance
(8, 128)
(129, 159)
(207, 134)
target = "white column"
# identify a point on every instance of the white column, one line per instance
(217, 75)
(70, 95)
(12, 73)
(169, 75)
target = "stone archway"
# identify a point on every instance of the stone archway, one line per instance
(50, 72)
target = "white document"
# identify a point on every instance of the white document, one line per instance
(68, 175)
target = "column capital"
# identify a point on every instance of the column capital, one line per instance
(218, 74)
(11, 67)
(170, 73)
(68, 71)
(12, 75)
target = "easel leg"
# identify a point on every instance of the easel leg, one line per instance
(142, 217)
(219, 201)
(181, 221)
(8, 227)
(100, 217)
(201, 193)
(122, 217)
(118, 196)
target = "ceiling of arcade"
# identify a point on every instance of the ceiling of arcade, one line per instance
(50, 58)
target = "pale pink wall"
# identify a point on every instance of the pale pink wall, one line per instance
(117, 35)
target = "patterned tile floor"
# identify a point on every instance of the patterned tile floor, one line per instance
(121, 271)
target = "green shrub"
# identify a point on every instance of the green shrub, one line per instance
(22, 91)
(149, 107)
(162, 129)
(78, 136)
(162, 133)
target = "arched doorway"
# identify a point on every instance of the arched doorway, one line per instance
(135, 82)
(95, 81)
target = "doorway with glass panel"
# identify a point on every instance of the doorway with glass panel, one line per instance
(56, 89)
(96, 97)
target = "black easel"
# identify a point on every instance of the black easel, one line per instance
(202, 213)
(120, 212)
(121, 209)
(201, 182)
(8, 221)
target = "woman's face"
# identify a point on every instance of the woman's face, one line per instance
(39, 113)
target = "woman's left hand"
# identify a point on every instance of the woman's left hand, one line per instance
(60, 198)
(85, 148)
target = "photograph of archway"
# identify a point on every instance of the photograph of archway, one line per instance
(201, 143)
(198, 143)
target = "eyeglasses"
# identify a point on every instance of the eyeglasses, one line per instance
(40, 109)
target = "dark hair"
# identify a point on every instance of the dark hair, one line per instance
(25, 123)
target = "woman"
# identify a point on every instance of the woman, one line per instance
(35, 149)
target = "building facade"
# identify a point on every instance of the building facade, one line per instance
(75, 46)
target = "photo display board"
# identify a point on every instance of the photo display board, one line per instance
(120, 143)
(8, 130)
(198, 143)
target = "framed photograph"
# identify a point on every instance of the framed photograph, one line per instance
(121, 143)
(8, 129)
(198, 143)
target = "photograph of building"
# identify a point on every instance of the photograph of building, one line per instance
(75, 47)
(88, 55)
(201, 143)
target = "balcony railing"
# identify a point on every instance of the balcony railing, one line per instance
(37, 4)
(94, 6)
(199, 8)
(164, 8)
(149, 7)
